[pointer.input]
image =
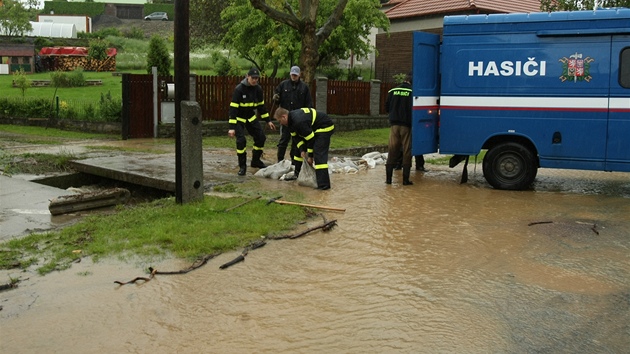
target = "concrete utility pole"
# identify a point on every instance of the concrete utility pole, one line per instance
(188, 117)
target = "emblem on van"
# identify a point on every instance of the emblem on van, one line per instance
(575, 68)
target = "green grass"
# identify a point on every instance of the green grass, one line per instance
(52, 133)
(158, 229)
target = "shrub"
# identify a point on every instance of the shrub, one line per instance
(98, 49)
(63, 79)
(110, 109)
(158, 56)
(21, 81)
(135, 33)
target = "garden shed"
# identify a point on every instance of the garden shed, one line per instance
(16, 56)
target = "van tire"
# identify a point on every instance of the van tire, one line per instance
(510, 166)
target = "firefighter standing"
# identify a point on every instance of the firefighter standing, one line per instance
(247, 102)
(291, 94)
(399, 106)
(313, 130)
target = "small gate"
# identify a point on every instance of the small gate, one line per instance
(137, 112)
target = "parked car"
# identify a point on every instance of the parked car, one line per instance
(157, 16)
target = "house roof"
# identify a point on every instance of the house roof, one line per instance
(17, 50)
(416, 8)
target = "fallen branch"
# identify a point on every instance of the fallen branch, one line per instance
(241, 257)
(540, 222)
(243, 203)
(327, 226)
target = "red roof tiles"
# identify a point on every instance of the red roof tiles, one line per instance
(416, 8)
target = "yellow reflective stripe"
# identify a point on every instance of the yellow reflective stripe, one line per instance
(232, 121)
(293, 133)
(300, 143)
(253, 118)
(248, 104)
(234, 104)
(241, 120)
(310, 136)
(266, 115)
(306, 110)
(241, 151)
(321, 166)
(314, 116)
(399, 89)
(256, 148)
(298, 158)
(323, 130)
(310, 151)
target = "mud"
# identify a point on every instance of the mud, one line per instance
(431, 268)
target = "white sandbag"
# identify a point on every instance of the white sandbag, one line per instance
(372, 155)
(307, 176)
(275, 171)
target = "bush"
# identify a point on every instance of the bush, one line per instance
(98, 49)
(110, 109)
(158, 56)
(135, 33)
(21, 108)
(63, 79)
(333, 73)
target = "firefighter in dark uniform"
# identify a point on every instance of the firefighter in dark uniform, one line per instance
(247, 102)
(291, 94)
(313, 130)
(399, 106)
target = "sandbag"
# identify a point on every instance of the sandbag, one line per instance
(307, 176)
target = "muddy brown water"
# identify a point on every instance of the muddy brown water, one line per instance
(436, 267)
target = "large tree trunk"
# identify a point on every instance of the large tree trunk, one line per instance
(309, 56)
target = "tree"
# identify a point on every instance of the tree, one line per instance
(205, 22)
(14, 18)
(21, 81)
(573, 5)
(158, 56)
(324, 29)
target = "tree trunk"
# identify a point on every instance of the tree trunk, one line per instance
(309, 56)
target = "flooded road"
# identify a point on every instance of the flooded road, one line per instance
(436, 267)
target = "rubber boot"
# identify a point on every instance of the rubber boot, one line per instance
(389, 170)
(256, 162)
(323, 179)
(420, 163)
(281, 152)
(406, 172)
(242, 164)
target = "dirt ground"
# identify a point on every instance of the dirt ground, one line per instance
(162, 28)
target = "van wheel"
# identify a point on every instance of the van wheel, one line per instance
(510, 166)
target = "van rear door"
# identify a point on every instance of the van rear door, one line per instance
(426, 50)
(618, 144)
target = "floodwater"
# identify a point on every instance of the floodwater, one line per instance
(437, 267)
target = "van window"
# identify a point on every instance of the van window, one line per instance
(624, 68)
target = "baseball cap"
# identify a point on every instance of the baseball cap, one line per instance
(295, 70)
(253, 72)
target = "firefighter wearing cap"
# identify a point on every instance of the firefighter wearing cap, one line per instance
(313, 130)
(291, 94)
(247, 101)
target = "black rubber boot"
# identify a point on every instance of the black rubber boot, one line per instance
(256, 162)
(323, 179)
(242, 164)
(281, 152)
(389, 170)
(420, 163)
(406, 172)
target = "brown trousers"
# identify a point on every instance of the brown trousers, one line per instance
(399, 140)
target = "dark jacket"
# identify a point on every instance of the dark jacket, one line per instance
(294, 95)
(399, 105)
(305, 123)
(246, 100)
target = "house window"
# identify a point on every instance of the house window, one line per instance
(15, 60)
(26, 60)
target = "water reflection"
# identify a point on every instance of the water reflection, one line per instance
(431, 268)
